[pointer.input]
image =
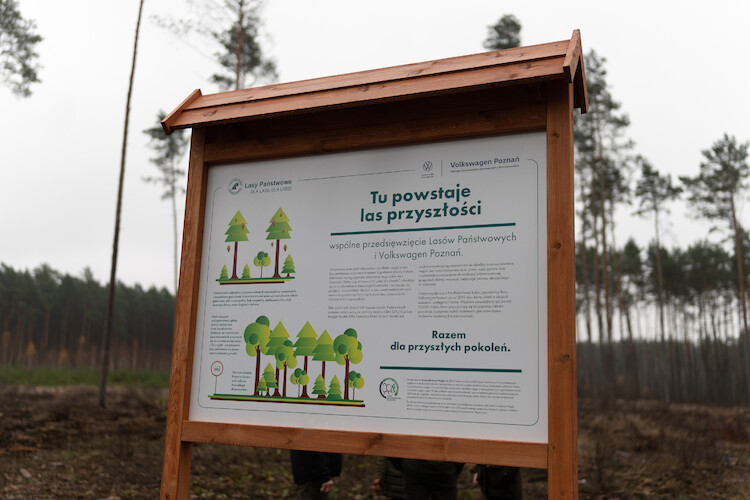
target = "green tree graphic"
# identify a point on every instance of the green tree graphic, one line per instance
(348, 350)
(319, 387)
(237, 232)
(261, 387)
(288, 266)
(262, 260)
(278, 230)
(256, 338)
(324, 351)
(334, 390)
(278, 336)
(299, 378)
(224, 273)
(285, 359)
(246, 272)
(355, 381)
(270, 380)
(307, 340)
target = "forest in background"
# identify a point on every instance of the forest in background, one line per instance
(56, 320)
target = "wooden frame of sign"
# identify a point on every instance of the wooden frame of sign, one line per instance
(524, 89)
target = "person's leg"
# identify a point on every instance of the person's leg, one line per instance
(309, 491)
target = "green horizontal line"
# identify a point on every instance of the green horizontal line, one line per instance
(411, 230)
(441, 369)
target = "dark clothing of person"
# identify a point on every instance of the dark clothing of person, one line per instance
(310, 469)
(428, 479)
(391, 479)
(499, 482)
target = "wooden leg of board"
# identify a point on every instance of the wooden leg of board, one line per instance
(562, 461)
(175, 480)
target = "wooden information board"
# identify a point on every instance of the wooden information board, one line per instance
(382, 263)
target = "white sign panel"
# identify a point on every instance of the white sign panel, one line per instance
(398, 290)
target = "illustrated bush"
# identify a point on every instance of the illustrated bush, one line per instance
(224, 273)
(246, 272)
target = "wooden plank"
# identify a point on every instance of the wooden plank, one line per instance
(563, 437)
(532, 455)
(572, 56)
(534, 70)
(168, 121)
(379, 76)
(350, 136)
(175, 478)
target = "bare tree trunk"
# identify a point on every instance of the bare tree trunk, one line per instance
(174, 230)
(105, 351)
(240, 44)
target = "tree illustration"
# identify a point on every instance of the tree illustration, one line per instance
(261, 387)
(278, 336)
(288, 266)
(307, 340)
(348, 350)
(319, 387)
(246, 272)
(237, 232)
(299, 378)
(355, 381)
(285, 359)
(278, 230)
(270, 379)
(334, 390)
(324, 351)
(224, 273)
(256, 338)
(262, 260)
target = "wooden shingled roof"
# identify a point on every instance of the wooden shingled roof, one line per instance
(516, 66)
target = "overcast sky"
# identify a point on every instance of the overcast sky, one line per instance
(680, 70)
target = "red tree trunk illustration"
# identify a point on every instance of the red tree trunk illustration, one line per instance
(276, 391)
(304, 387)
(284, 391)
(257, 370)
(323, 374)
(346, 379)
(234, 265)
(276, 265)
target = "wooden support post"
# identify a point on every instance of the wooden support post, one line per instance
(175, 479)
(562, 461)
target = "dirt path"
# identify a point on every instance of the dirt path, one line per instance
(55, 443)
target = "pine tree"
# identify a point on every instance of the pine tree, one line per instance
(319, 387)
(237, 232)
(169, 151)
(504, 34)
(307, 341)
(278, 230)
(334, 389)
(18, 57)
(288, 266)
(324, 351)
